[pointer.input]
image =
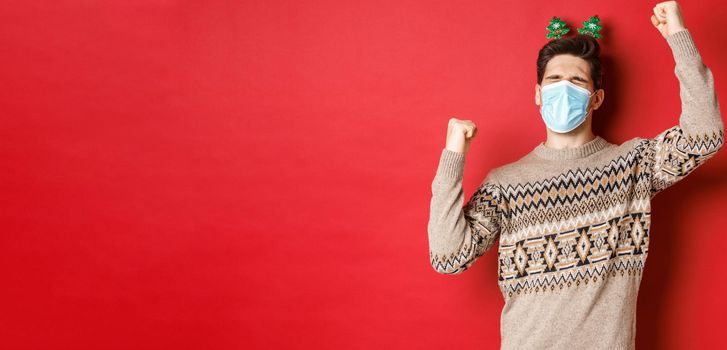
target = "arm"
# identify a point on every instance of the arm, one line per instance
(458, 234)
(676, 152)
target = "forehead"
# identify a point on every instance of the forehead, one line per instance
(566, 64)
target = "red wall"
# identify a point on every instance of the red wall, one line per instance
(256, 174)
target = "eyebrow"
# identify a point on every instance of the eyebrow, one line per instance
(575, 77)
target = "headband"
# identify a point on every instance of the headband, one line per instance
(557, 28)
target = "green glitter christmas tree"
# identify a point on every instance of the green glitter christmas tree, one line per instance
(556, 29)
(591, 27)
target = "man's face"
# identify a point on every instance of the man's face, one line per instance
(574, 69)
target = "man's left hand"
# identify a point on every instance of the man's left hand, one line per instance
(667, 18)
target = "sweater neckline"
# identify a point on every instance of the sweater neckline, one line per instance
(581, 151)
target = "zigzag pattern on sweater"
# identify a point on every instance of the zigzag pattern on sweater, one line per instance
(622, 266)
(457, 263)
(545, 219)
(584, 219)
(482, 215)
(565, 257)
(574, 185)
(675, 154)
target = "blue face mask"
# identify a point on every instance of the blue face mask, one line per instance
(563, 105)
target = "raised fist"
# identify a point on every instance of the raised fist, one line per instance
(459, 135)
(667, 18)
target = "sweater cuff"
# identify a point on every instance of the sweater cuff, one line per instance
(451, 165)
(682, 46)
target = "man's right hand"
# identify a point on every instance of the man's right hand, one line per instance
(459, 135)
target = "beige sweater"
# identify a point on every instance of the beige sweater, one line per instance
(572, 225)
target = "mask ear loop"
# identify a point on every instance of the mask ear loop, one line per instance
(589, 102)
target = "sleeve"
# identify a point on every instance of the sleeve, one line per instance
(459, 234)
(677, 151)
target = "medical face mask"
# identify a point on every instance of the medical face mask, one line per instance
(563, 105)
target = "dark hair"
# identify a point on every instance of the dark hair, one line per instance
(581, 45)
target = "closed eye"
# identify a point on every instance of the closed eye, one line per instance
(575, 77)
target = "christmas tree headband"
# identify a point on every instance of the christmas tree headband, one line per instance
(558, 28)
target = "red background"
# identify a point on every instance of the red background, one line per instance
(256, 174)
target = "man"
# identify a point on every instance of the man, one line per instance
(572, 216)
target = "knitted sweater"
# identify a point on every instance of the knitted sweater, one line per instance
(572, 225)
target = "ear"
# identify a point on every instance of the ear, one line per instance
(599, 96)
(537, 94)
